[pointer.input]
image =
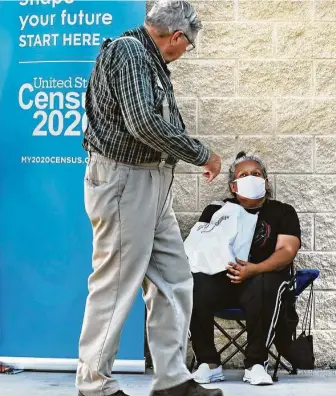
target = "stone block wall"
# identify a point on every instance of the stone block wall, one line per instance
(263, 79)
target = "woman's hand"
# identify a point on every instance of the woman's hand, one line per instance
(241, 270)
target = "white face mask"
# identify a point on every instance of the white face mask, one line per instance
(251, 187)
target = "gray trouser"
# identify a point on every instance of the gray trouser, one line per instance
(136, 240)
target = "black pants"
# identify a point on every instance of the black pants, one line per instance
(258, 296)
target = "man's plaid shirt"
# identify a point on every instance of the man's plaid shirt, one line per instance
(124, 106)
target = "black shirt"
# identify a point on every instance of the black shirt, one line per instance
(275, 218)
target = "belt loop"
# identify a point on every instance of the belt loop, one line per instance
(162, 163)
(163, 160)
(114, 164)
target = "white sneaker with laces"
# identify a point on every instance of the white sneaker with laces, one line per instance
(204, 374)
(257, 376)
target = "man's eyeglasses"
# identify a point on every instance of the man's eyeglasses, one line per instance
(191, 46)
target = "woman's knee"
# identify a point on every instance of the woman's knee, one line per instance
(202, 295)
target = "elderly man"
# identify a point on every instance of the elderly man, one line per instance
(135, 137)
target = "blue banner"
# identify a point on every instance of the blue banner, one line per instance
(48, 48)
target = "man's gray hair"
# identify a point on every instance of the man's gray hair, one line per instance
(171, 15)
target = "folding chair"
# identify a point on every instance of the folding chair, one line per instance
(301, 280)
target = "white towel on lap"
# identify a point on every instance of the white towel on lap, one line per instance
(210, 247)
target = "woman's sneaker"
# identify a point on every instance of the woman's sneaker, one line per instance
(205, 375)
(257, 376)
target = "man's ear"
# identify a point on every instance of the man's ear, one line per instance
(175, 37)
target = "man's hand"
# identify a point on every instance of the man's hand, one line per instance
(240, 271)
(213, 167)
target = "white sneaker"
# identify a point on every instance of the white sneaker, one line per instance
(257, 376)
(204, 374)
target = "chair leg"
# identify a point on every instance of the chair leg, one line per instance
(281, 363)
(232, 340)
(240, 349)
(276, 368)
(294, 369)
(192, 364)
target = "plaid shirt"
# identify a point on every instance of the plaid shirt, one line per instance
(124, 106)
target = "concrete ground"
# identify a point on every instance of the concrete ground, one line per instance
(316, 383)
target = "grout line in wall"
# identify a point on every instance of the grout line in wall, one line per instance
(198, 43)
(265, 135)
(285, 174)
(185, 97)
(314, 311)
(313, 11)
(244, 97)
(197, 193)
(264, 59)
(274, 116)
(236, 78)
(236, 10)
(314, 232)
(262, 21)
(197, 116)
(314, 154)
(193, 212)
(331, 212)
(183, 212)
(274, 40)
(256, 59)
(236, 145)
(318, 252)
(312, 243)
(314, 78)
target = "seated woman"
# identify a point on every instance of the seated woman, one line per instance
(256, 285)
